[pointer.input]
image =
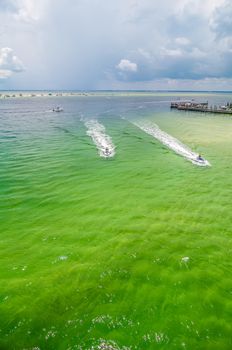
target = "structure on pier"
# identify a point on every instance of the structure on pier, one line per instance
(189, 104)
(202, 107)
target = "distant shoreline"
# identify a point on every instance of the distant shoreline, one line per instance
(110, 91)
(5, 94)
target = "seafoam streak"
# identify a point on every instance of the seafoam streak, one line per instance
(171, 142)
(103, 141)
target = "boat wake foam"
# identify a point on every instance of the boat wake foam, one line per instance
(103, 141)
(171, 142)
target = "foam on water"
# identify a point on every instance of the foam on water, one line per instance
(103, 141)
(171, 142)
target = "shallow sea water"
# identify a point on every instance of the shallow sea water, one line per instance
(127, 252)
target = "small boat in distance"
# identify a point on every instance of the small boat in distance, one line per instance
(58, 109)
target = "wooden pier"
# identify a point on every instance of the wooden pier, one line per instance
(202, 107)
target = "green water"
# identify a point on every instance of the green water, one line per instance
(92, 248)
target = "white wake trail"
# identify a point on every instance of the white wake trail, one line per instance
(171, 142)
(102, 141)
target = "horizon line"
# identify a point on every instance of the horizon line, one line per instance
(113, 90)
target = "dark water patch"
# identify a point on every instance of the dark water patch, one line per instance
(66, 131)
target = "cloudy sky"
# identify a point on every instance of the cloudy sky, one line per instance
(116, 44)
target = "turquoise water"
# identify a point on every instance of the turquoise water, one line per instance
(132, 251)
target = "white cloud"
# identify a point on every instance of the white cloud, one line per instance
(172, 52)
(182, 41)
(144, 53)
(198, 7)
(4, 73)
(30, 10)
(9, 63)
(24, 10)
(127, 66)
(197, 53)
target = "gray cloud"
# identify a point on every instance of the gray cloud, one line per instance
(221, 22)
(8, 5)
(81, 44)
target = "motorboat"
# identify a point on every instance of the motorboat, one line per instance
(58, 109)
(107, 152)
(199, 160)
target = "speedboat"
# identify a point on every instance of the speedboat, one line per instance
(199, 160)
(107, 152)
(58, 109)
